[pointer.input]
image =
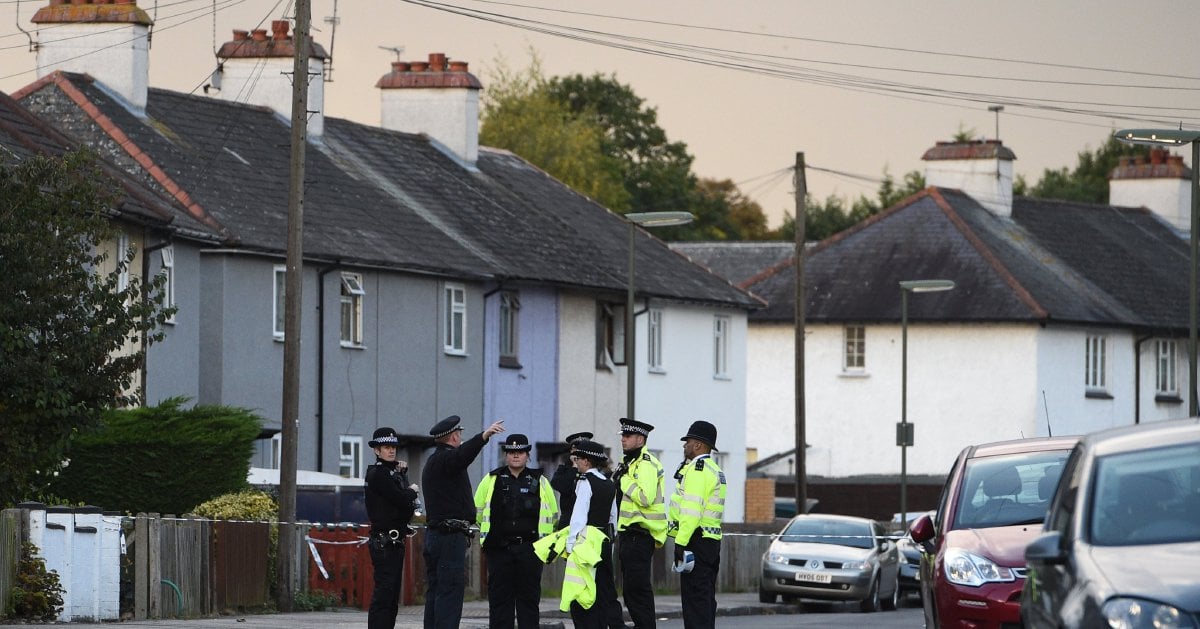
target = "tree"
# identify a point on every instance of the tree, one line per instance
(1088, 182)
(824, 219)
(69, 333)
(722, 213)
(520, 115)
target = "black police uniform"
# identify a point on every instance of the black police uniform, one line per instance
(390, 506)
(450, 509)
(606, 611)
(514, 571)
(563, 481)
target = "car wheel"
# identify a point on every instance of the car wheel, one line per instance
(871, 602)
(765, 596)
(893, 602)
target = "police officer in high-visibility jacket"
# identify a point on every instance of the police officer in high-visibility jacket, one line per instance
(514, 507)
(591, 528)
(641, 519)
(694, 521)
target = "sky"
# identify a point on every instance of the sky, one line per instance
(860, 87)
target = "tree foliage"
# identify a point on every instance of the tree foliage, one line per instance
(1088, 181)
(172, 458)
(69, 332)
(826, 218)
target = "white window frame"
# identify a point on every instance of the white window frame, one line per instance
(279, 295)
(276, 450)
(721, 325)
(351, 302)
(168, 271)
(454, 325)
(1095, 365)
(854, 349)
(350, 463)
(654, 340)
(510, 328)
(122, 251)
(1166, 368)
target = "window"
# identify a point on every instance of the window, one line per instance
(510, 309)
(455, 339)
(350, 457)
(1165, 383)
(280, 287)
(721, 346)
(856, 348)
(610, 335)
(722, 460)
(352, 301)
(276, 450)
(1095, 360)
(122, 253)
(654, 339)
(168, 272)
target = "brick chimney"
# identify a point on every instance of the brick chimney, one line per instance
(981, 168)
(107, 39)
(439, 98)
(1161, 184)
(256, 68)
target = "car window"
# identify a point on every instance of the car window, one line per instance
(1147, 497)
(1061, 509)
(838, 532)
(939, 517)
(1009, 489)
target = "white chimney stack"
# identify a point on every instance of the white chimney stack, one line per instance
(981, 168)
(439, 98)
(106, 39)
(1161, 184)
(257, 69)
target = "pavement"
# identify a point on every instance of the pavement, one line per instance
(475, 615)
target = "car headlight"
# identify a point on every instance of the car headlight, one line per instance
(857, 565)
(777, 558)
(964, 568)
(1133, 613)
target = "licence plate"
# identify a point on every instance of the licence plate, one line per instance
(814, 577)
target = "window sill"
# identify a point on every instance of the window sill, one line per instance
(1098, 395)
(509, 362)
(1166, 398)
(723, 378)
(278, 338)
(347, 345)
(658, 370)
(854, 374)
(459, 353)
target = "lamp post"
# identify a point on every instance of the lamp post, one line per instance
(644, 219)
(904, 432)
(1179, 137)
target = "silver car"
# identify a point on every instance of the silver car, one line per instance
(832, 558)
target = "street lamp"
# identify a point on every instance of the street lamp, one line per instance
(1179, 137)
(644, 219)
(904, 431)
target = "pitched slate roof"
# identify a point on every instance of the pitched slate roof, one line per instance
(1051, 261)
(372, 196)
(23, 135)
(736, 261)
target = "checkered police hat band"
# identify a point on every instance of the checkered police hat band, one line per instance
(634, 429)
(598, 455)
(443, 434)
(386, 439)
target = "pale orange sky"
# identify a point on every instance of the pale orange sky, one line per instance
(748, 125)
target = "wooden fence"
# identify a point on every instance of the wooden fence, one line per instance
(11, 535)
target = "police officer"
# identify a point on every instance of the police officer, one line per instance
(591, 523)
(390, 504)
(694, 521)
(563, 482)
(449, 512)
(641, 519)
(515, 506)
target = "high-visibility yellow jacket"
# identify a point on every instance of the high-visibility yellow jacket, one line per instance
(641, 501)
(698, 503)
(547, 508)
(579, 579)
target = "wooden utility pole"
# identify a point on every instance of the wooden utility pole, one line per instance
(801, 439)
(285, 559)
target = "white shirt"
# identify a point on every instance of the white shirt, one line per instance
(583, 503)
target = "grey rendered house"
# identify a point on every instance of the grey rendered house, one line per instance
(440, 277)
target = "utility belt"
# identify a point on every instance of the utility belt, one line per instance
(454, 526)
(510, 540)
(634, 529)
(391, 537)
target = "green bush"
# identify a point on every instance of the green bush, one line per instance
(37, 593)
(161, 459)
(315, 600)
(249, 504)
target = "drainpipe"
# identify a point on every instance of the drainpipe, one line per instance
(146, 251)
(321, 365)
(1137, 378)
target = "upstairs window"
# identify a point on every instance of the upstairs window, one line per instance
(1165, 383)
(168, 272)
(279, 301)
(352, 307)
(455, 325)
(510, 309)
(654, 349)
(1096, 365)
(855, 354)
(721, 346)
(350, 457)
(610, 335)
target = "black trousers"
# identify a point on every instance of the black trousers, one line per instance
(606, 610)
(445, 579)
(636, 550)
(514, 582)
(387, 558)
(698, 588)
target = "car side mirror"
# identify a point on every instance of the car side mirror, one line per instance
(1046, 549)
(921, 531)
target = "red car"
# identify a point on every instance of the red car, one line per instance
(973, 547)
